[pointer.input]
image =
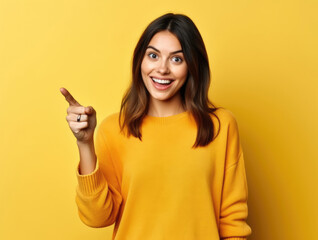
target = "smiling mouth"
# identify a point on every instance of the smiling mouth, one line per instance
(161, 81)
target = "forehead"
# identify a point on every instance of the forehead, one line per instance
(165, 41)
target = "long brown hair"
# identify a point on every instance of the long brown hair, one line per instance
(194, 92)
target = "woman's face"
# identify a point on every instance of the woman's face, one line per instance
(163, 68)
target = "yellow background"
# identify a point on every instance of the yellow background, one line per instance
(263, 56)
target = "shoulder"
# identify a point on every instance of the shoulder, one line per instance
(225, 124)
(225, 117)
(110, 119)
(110, 123)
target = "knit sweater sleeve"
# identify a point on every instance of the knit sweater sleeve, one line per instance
(98, 195)
(234, 209)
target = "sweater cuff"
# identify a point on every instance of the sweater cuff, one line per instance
(90, 183)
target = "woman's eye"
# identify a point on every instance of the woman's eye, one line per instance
(177, 59)
(152, 55)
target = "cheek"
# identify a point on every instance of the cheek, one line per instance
(182, 72)
(145, 66)
(143, 70)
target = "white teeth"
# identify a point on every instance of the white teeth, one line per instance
(162, 81)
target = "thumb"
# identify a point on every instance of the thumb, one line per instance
(89, 110)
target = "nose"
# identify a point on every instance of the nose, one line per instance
(163, 67)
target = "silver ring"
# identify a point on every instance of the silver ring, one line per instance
(79, 118)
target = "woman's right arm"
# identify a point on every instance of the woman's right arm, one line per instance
(97, 200)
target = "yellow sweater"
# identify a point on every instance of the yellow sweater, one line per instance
(161, 188)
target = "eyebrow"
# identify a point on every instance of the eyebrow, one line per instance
(159, 51)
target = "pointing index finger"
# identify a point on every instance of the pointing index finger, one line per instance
(69, 98)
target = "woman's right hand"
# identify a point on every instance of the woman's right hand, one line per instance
(83, 129)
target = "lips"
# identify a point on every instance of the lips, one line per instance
(161, 81)
(161, 84)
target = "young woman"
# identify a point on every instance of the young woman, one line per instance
(169, 165)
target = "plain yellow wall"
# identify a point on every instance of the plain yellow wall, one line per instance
(263, 56)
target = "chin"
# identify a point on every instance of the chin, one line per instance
(162, 97)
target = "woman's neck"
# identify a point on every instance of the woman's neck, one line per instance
(158, 108)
